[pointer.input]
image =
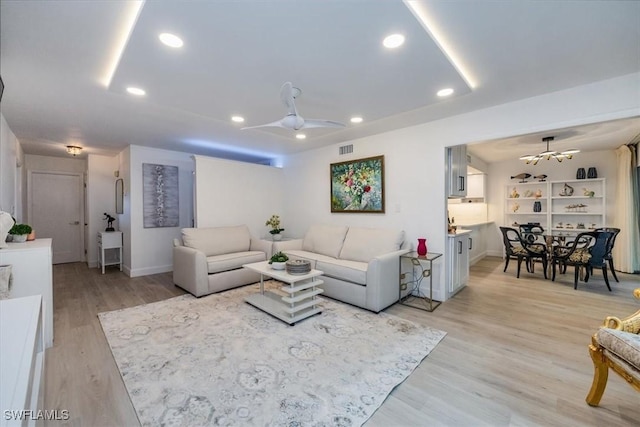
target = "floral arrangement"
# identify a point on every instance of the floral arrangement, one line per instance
(278, 257)
(274, 223)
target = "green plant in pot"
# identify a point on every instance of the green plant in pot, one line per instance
(278, 261)
(20, 232)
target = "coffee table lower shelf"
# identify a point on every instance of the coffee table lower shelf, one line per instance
(272, 303)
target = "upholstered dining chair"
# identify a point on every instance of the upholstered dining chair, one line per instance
(517, 247)
(612, 242)
(586, 251)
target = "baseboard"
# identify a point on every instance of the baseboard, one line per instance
(92, 264)
(499, 254)
(148, 270)
(477, 258)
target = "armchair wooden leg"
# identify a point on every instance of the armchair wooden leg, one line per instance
(519, 263)
(600, 374)
(553, 273)
(544, 267)
(575, 277)
(506, 263)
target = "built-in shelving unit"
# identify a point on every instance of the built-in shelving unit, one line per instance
(568, 206)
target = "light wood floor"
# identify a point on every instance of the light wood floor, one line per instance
(515, 354)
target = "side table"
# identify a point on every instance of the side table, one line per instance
(422, 268)
(109, 249)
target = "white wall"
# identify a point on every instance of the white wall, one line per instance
(233, 193)
(500, 174)
(100, 199)
(124, 219)
(415, 166)
(150, 249)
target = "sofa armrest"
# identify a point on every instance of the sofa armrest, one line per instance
(262, 245)
(190, 270)
(383, 280)
(287, 245)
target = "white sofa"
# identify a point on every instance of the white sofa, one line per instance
(360, 265)
(209, 260)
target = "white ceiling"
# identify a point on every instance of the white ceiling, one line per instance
(56, 57)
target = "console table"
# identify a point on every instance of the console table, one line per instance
(22, 361)
(109, 249)
(415, 297)
(31, 267)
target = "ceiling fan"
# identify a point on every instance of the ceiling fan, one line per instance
(293, 120)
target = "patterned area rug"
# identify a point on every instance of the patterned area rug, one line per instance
(217, 360)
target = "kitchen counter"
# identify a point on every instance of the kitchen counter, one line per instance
(459, 232)
(474, 224)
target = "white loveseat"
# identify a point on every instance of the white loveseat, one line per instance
(360, 265)
(209, 260)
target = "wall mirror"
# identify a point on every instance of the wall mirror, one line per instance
(119, 196)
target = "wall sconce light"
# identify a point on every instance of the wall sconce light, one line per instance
(73, 150)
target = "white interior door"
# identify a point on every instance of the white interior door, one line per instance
(55, 211)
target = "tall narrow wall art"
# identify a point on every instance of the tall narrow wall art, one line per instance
(160, 195)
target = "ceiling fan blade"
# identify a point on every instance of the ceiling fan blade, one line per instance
(287, 95)
(315, 123)
(276, 124)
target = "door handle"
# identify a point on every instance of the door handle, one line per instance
(470, 243)
(459, 246)
(74, 223)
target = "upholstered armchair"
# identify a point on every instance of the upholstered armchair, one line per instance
(617, 346)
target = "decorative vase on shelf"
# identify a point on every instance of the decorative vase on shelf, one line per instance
(592, 173)
(422, 247)
(276, 237)
(580, 174)
(537, 206)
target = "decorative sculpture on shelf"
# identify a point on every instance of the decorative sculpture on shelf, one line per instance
(521, 176)
(567, 190)
(110, 220)
(514, 193)
(538, 193)
(540, 178)
(589, 193)
(515, 207)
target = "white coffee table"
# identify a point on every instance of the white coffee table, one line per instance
(300, 298)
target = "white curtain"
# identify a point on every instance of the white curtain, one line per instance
(626, 253)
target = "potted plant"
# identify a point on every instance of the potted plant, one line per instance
(20, 232)
(274, 223)
(278, 261)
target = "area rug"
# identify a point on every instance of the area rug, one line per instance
(217, 360)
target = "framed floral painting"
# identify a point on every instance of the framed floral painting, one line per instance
(358, 185)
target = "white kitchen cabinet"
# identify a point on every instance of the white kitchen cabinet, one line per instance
(477, 242)
(458, 261)
(475, 186)
(32, 271)
(457, 171)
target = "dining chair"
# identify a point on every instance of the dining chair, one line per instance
(612, 242)
(586, 251)
(531, 232)
(517, 247)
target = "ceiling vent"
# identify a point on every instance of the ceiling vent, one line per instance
(346, 149)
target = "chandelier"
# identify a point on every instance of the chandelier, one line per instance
(549, 154)
(73, 150)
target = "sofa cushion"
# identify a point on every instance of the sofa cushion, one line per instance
(623, 344)
(324, 239)
(226, 262)
(364, 244)
(217, 240)
(350, 271)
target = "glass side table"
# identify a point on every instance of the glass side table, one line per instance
(422, 267)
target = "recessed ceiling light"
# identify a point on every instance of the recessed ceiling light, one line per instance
(445, 92)
(393, 41)
(237, 119)
(301, 136)
(171, 40)
(356, 119)
(136, 91)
